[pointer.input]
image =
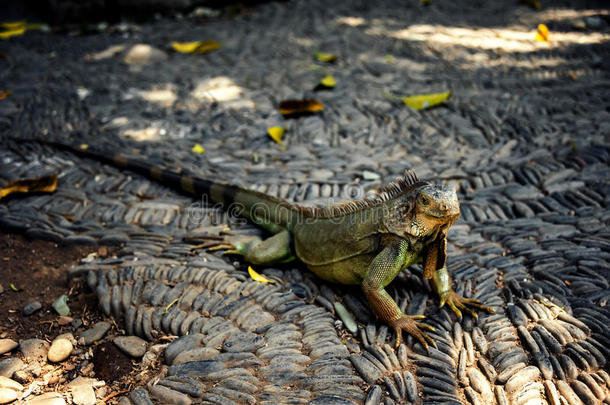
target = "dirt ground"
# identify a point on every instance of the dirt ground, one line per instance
(35, 270)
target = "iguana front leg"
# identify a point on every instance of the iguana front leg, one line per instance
(442, 285)
(382, 270)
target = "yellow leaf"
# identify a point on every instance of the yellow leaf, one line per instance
(423, 101)
(257, 277)
(276, 134)
(196, 46)
(328, 81)
(4, 94)
(308, 105)
(198, 149)
(424, 2)
(325, 57)
(13, 25)
(41, 184)
(542, 35)
(389, 58)
(12, 33)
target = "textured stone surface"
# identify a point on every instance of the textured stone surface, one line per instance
(522, 139)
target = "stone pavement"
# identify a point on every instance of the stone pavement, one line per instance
(523, 138)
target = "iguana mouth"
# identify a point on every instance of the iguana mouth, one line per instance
(439, 214)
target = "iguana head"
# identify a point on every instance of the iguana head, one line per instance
(422, 211)
(436, 207)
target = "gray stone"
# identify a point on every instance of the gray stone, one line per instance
(198, 354)
(367, 370)
(131, 345)
(30, 308)
(169, 396)
(96, 333)
(182, 344)
(34, 349)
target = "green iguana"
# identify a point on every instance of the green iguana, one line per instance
(363, 242)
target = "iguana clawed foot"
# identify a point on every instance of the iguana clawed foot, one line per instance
(229, 244)
(413, 328)
(456, 302)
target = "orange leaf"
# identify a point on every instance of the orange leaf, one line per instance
(307, 105)
(45, 183)
(4, 94)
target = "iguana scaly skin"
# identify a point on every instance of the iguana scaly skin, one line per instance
(363, 242)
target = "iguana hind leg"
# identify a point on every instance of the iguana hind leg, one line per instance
(275, 249)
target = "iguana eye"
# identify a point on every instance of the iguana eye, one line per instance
(424, 200)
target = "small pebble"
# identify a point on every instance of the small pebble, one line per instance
(61, 306)
(82, 391)
(60, 349)
(6, 345)
(64, 320)
(131, 345)
(6, 382)
(34, 349)
(50, 398)
(96, 333)
(346, 317)
(7, 395)
(30, 308)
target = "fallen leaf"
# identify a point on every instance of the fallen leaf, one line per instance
(542, 35)
(325, 57)
(198, 149)
(12, 286)
(41, 184)
(328, 82)
(276, 134)
(423, 101)
(13, 25)
(196, 46)
(11, 33)
(4, 94)
(307, 105)
(257, 277)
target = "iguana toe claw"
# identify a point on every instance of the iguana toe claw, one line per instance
(408, 324)
(457, 303)
(221, 246)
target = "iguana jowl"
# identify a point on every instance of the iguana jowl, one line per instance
(363, 242)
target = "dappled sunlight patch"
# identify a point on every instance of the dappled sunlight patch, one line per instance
(116, 123)
(163, 96)
(351, 21)
(507, 39)
(107, 53)
(221, 89)
(554, 15)
(150, 134)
